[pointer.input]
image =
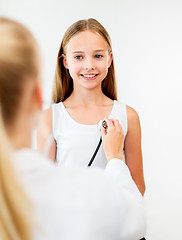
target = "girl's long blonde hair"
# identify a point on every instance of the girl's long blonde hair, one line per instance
(17, 62)
(63, 83)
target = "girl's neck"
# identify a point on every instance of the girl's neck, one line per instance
(87, 98)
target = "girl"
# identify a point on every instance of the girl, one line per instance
(84, 93)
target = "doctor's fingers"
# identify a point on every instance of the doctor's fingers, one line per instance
(113, 124)
(110, 123)
(118, 125)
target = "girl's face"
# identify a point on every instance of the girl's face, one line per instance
(87, 59)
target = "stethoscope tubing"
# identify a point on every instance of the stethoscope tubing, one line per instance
(95, 153)
(104, 125)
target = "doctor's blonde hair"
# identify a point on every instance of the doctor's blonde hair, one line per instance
(63, 83)
(17, 62)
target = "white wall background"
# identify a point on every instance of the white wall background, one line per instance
(147, 45)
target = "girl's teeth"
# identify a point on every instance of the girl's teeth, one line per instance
(89, 76)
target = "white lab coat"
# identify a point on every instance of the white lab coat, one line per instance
(73, 203)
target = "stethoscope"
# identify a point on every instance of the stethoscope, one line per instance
(103, 124)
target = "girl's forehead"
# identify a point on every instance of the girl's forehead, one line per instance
(86, 40)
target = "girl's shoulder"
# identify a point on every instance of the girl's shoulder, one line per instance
(49, 114)
(132, 117)
(131, 112)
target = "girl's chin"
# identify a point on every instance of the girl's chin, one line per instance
(90, 85)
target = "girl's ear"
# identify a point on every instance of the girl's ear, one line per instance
(64, 61)
(110, 58)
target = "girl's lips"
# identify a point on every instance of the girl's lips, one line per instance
(89, 76)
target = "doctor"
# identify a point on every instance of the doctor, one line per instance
(68, 203)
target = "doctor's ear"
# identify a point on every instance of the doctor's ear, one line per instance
(38, 94)
(63, 56)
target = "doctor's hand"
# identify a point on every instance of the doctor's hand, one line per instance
(113, 139)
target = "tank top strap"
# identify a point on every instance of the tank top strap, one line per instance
(57, 118)
(119, 112)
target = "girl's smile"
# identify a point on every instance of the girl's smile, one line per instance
(89, 76)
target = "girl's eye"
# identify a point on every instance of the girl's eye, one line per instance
(98, 56)
(78, 57)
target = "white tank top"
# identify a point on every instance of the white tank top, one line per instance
(76, 143)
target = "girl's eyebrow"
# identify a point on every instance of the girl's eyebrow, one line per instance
(98, 50)
(78, 52)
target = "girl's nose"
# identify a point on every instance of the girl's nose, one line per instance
(89, 64)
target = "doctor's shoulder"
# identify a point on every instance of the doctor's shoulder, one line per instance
(44, 129)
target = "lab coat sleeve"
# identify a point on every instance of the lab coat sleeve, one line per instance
(130, 201)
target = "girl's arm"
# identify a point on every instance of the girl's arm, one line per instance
(132, 148)
(46, 144)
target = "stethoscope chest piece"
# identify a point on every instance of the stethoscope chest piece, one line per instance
(103, 124)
